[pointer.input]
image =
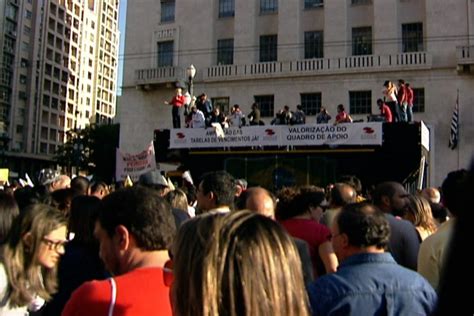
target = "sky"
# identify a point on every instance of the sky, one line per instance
(122, 18)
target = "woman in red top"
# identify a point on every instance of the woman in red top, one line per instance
(177, 102)
(342, 116)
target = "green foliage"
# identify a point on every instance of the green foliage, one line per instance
(92, 150)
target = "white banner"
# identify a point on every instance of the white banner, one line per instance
(134, 164)
(280, 135)
(329, 134)
(234, 137)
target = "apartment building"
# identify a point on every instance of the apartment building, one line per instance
(309, 52)
(59, 73)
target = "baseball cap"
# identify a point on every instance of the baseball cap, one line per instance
(47, 176)
(152, 177)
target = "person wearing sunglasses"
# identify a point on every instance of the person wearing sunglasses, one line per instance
(28, 267)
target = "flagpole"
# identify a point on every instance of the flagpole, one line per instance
(459, 124)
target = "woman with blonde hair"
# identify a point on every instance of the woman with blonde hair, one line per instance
(244, 264)
(418, 212)
(390, 98)
(31, 253)
(177, 199)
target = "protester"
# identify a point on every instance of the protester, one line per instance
(368, 280)
(323, 116)
(135, 229)
(8, 212)
(177, 103)
(342, 116)
(31, 253)
(241, 263)
(384, 111)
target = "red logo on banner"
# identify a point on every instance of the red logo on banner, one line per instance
(369, 130)
(270, 132)
(180, 135)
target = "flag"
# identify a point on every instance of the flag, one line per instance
(454, 135)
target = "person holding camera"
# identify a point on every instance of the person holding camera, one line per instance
(323, 117)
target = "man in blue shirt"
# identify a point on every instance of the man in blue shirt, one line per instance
(368, 280)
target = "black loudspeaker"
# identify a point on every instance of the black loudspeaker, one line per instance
(162, 144)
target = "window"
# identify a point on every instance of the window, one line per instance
(24, 63)
(10, 12)
(362, 41)
(46, 99)
(9, 44)
(226, 8)
(167, 10)
(222, 103)
(225, 51)
(25, 46)
(19, 129)
(309, 4)
(52, 149)
(22, 95)
(28, 14)
(268, 48)
(165, 53)
(360, 102)
(265, 104)
(313, 44)
(43, 148)
(44, 132)
(268, 6)
(311, 103)
(418, 100)
(412, 37)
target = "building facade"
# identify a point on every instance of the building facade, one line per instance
(59, 73)
(309, 52)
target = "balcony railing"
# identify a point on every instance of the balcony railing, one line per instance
(294, 68)
(160, 75)
(465, 55)
(322, 66)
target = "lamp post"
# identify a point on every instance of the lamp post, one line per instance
(190, 72)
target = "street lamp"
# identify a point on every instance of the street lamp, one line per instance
(190, 72)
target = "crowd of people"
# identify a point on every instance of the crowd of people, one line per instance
(222, 247)
(395, 105)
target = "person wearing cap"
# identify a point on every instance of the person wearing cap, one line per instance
(153, 179)
(53, 180)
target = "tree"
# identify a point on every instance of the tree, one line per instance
(91, 150)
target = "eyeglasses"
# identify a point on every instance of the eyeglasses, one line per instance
(55, 244)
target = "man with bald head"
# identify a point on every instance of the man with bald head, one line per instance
(260, 200)
(341, 195)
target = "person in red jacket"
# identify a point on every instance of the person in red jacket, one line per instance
(385, 111)
(177, 102)
(135, 228)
